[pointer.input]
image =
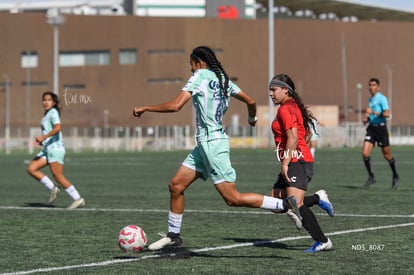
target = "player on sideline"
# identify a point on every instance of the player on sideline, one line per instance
(53, 153)
(210, 89)
(377, 113)
(290, 129)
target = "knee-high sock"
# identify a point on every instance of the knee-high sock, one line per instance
(311, 200)
(368, 165)
(311, 224)
(47, 182)
(393, 167)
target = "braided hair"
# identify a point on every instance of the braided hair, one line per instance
(308, 118)
(207, 55)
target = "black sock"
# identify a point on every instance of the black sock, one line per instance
(311, 224)
(286, 206)
(367, 162)
(393, 168)
(311, 200)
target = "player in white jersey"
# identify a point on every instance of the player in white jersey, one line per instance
(210, 90)
(53, 153)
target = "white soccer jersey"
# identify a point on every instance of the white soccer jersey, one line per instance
(49, 120)
(209, 102)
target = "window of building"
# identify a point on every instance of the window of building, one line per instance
(35, 83)
(165, 80)
(127, 56)
(89, 58)
(166, 52)
(29, 59)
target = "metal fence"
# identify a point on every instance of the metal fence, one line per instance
(159, 138)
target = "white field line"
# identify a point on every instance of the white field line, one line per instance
(194, 211)
(119, 261)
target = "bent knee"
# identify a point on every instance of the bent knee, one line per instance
(175, 187)
(31, 170)
(232, 201)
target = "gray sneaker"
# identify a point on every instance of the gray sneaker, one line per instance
(295, 219)
(395, 182)
(171, 239)
(53, 194)
(370, 180)
(77, 203)
(294, 206)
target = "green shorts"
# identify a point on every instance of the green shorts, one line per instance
(212, 159)
(52, 155)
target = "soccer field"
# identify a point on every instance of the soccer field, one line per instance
(372, 230)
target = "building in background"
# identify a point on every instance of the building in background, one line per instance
(107, 64)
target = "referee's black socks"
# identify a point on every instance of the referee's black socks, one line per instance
(393, 168)
(368, 165)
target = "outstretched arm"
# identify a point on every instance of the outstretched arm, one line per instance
(251, 106)
(172, 106)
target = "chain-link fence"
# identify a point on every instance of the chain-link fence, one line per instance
(182, 137)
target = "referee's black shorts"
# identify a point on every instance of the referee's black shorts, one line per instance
(377, 134)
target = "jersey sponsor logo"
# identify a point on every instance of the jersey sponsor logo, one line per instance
(214, 85)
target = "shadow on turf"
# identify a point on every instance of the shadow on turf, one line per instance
(184, 253)
(38, 204)
(168, 252)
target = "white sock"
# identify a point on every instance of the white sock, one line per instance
(73, 193)
(47, 182)
(271, 203)
(174, 222)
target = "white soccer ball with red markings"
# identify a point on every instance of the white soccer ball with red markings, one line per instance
(132, 238)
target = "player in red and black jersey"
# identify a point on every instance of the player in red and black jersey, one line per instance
(291, 129)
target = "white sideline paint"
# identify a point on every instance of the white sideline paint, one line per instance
(119, 261)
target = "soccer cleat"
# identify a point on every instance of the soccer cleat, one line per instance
(53, 194)
(395, 182)
(319, 246)
(77, 203)
(295, 219)
(294, 206)
(324, 202)
(171, 239)
(370, 180)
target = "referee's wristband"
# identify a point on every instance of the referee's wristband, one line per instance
(252, 119)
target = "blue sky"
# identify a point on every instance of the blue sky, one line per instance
(401, 5)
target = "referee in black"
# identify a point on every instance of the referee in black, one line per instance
(377, 133)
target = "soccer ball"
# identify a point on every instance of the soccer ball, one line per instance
(132, 238)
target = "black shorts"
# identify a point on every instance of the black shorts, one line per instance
(299, 172)
(377, 134)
